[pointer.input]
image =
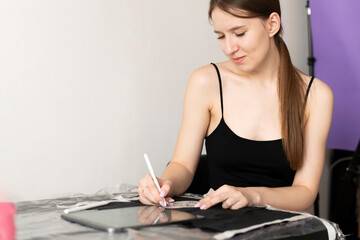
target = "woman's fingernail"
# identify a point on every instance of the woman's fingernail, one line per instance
(171, 200)
(197, 205)
(161, 215)
(203, 207)
(171, 204)
(162, 193)
(161, 204)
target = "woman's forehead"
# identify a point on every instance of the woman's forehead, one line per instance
(233, 11)
(223, 21)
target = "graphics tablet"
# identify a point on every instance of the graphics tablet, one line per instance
(117, 219)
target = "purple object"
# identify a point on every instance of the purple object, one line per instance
(336, 46)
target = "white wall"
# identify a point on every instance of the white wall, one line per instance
(88, 86)
(294, 17)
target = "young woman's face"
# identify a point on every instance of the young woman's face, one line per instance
(245, 41)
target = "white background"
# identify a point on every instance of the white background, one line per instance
(88, 86)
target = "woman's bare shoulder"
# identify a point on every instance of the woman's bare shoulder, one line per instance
(204, 77)
(317, 89)
(320, 99)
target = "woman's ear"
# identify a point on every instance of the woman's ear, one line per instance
(273, 24)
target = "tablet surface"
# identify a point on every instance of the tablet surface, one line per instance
(116, 219)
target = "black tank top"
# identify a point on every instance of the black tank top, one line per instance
(241, 162)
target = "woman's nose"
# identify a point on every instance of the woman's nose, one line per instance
(230, 46)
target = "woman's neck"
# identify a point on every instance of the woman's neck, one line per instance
(266, 72)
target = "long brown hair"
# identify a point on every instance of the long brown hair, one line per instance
(291, 87)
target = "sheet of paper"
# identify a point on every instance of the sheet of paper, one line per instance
(183, 204)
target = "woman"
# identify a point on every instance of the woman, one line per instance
(264, 122)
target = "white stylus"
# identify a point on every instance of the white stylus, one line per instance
(87, 206)
(153, 174)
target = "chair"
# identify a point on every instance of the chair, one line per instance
(345, 191)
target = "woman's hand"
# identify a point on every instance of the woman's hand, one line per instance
(231, 197)
(149, 193)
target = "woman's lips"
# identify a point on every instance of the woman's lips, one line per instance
(239, 59)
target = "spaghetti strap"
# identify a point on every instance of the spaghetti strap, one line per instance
(221, 97)
(308, 88)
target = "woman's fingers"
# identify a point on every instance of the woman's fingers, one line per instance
(148, 197)
(230, 197)
(164, 187)
(149, 193)
(211, 200)
(165, 190)
(238, 205)
(169, 200)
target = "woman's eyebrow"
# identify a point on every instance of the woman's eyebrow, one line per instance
(231, 29)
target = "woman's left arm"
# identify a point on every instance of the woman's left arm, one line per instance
(301, 195)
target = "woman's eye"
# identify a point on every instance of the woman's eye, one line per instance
(220, 37)
(240, 34)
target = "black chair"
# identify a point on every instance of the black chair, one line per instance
(345, 191)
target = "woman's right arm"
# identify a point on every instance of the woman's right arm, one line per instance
(178, 175)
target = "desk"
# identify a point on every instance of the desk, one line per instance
(41, 220)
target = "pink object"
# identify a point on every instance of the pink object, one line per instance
(7, 225)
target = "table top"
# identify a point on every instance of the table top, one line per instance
(41, 219)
